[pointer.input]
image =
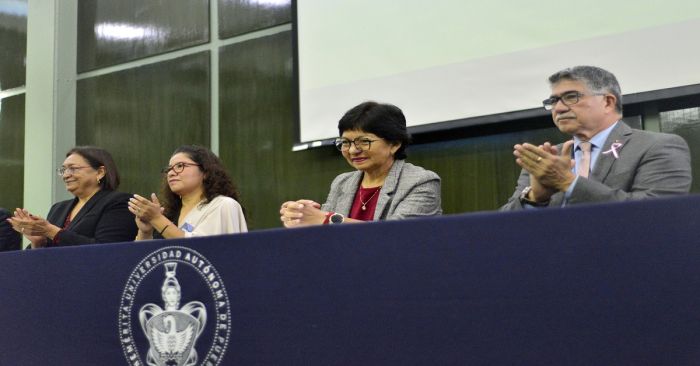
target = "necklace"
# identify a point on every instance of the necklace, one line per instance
(364, 203)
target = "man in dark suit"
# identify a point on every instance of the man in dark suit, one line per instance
(9, 239)
(606, 160)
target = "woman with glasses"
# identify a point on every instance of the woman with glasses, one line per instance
(199, 199)
(97, 213)
(373, 139)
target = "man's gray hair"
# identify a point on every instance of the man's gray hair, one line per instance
(597, 80)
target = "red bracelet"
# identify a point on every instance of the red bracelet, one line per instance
(328, 218)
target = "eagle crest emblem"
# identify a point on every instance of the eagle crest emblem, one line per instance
(172, 331)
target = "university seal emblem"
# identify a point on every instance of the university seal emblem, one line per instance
(174, 334)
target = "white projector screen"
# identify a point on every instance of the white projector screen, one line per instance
(448, 60)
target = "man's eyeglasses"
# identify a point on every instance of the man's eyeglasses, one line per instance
(177, 168)
(569, 99)
(69, 169)
(361, 143)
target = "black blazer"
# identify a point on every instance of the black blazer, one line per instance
(105, 218)
(9, 238)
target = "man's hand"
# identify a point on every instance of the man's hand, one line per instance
(549, 171)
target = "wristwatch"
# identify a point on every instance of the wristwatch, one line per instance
(526, 201)
(336, 218)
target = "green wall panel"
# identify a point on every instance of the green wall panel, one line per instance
(12, 151)
(112, 32)
(243, 16)
(13, 40)
(141, 115)
(257, 130)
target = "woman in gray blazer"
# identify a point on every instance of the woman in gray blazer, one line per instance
(373, 139)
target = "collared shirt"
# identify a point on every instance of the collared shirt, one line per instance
(597, 142)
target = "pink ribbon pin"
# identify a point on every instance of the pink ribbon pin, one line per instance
(613, 149)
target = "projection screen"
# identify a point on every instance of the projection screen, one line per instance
(455, 60)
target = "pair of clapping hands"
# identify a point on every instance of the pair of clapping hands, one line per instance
(550, 170)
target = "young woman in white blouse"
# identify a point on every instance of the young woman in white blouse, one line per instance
(199, 199)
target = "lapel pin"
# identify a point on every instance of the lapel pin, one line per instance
(614, 147)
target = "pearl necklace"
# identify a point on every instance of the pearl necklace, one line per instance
(364, 204)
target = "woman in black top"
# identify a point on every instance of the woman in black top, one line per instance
(97, 214)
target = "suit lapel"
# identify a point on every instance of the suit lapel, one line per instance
(390, 184)
(89, 205)
(347, 196)
(620, 134)
(64, 211)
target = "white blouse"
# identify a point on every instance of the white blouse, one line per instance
(223, 215)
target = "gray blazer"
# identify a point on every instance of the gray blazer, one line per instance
(650, 164)
(408, 191)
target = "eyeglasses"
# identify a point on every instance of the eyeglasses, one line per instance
(361, 143)
(177, 168)
(569, 99)
(70, 170)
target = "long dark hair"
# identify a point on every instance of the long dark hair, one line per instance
(98, 157)
(216, 181)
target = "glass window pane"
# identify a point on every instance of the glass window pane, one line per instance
(112, 32)
(13, 40)
(244, 16)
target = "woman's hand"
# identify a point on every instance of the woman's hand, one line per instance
(145, 209)
(301, 213)
(34, 228)
(145, 228)
(145, 212)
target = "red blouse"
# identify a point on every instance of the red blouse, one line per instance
(365, 203)
(65, 226)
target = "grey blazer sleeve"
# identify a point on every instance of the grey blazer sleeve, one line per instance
(514, 201)
(659, 167)
(417, 196)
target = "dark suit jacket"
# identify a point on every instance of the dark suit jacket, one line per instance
(649, 164)
(408, 191)
(9, 238)
(105, 218)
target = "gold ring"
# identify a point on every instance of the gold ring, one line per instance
(539, 158)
